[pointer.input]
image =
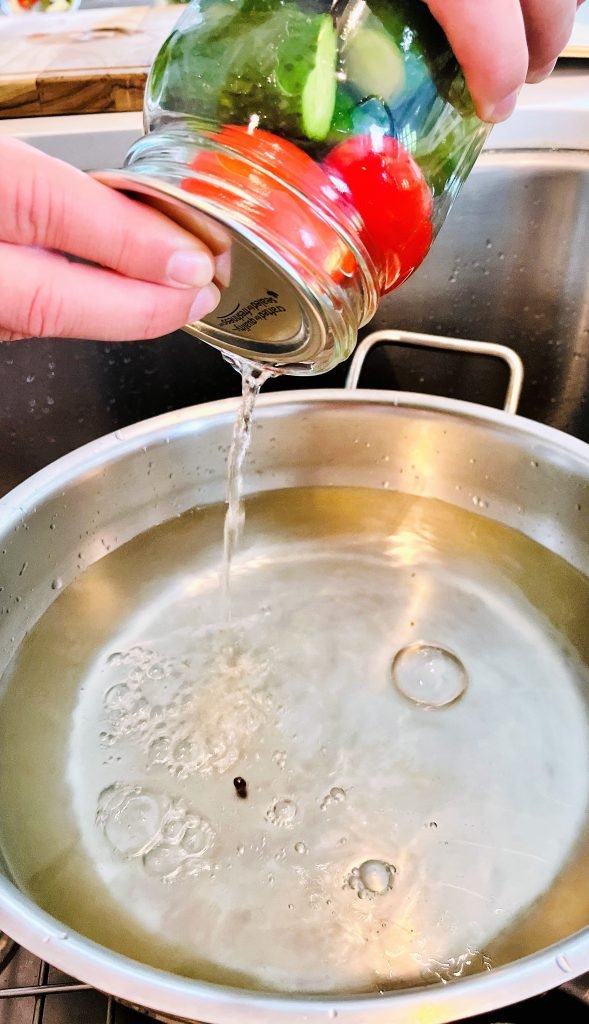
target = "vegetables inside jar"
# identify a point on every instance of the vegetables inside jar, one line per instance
(329, 140)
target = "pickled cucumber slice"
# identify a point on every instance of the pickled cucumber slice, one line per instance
(259, 58)
(374, 64)
(306, 71)
(412, 25)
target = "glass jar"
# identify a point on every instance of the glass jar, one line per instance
(38, 6)
(325, 141)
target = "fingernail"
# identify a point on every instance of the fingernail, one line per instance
(223, 268)
(502, 110)
(539, 74)
(205, 302)
(190, 268)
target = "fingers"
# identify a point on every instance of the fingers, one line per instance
(548, 30)
(46, 203)
(44, 295)
(503, 44)
(489, 41)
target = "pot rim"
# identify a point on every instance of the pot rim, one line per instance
(166, 993)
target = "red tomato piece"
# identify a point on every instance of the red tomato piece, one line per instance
(255, 177)
(391, 195)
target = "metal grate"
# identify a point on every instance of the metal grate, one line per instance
(32, 992)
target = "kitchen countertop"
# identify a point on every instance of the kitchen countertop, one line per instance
(554, 114)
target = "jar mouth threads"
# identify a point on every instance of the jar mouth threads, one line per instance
(300, 286)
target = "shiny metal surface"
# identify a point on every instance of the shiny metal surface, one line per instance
(410, 338)
(90, 1007)
(533, 479)
(510, 265)
(32, 992)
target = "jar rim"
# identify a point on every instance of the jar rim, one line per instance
(303, 321)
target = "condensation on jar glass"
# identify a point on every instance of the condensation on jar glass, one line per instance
(324, 142)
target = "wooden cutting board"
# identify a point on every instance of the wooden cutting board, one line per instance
(82, 62)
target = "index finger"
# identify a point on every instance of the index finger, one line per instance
(489, 40)
(49, 204)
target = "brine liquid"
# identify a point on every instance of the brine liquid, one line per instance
(403, 689)
(252, 379)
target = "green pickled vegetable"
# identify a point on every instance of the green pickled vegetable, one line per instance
(260, 58)
(448, 152)
(353, 118)
(412, 26)
(306, 72)
(374, 64)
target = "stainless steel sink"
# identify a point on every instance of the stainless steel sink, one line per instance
(511, 265)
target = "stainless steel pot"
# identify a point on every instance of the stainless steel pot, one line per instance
(521, 474)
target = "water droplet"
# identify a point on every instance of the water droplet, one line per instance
(300, 848)
(429, 675)
(564, 964)
(117, 697)
(57, 583)
(159, 750)
(376, 876)
(163, 861)
(279, 758)
(198, 837)
(337, 794)
(282, 813)
(173, 831)
(130, 819)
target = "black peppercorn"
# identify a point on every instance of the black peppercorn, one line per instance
(240, 787)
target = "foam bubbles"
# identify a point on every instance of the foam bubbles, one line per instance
(151, 828)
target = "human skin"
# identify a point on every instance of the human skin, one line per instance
(148, 276)
(503, 43)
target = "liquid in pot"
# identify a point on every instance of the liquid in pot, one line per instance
(400, 696)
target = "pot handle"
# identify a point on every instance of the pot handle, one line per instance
(482, 348)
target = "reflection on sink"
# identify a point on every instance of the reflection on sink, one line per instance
(511, 265)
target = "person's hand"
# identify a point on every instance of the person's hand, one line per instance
(148, 277)
(503, 43)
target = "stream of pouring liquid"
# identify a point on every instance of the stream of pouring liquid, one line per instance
(252, 379)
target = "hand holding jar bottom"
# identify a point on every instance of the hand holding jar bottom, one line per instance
(149, 276)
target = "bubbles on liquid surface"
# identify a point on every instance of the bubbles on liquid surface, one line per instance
(130, 818)
(282, 813)
(182, 727)
(429, 675)
(472, 961)
(163, 834)
(372, 878)
(335, 796)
